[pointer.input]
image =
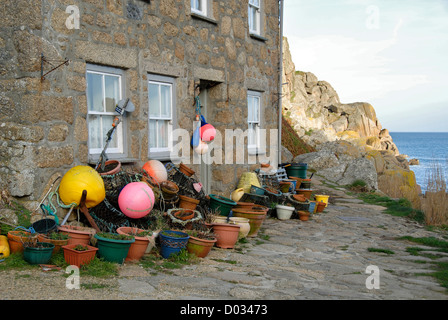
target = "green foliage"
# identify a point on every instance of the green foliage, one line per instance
(387, 251)
(115, 236)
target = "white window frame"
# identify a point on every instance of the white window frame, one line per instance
(254, 29)
(254, 122)
(201, 4)
(119, 134)
(162, 153)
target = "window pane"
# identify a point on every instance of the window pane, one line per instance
(195, 4)
(112, 89)
(163, 134)
(250, 107)
(154, 100)
(95, 92)
(256, 112)
(107, 125)
(94, 131)
(165, 92)
(152, 133)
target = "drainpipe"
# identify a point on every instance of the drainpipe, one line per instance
(280, 87)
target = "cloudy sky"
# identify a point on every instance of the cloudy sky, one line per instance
(392, 54)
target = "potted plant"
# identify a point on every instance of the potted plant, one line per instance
(110, 167)
(142, 240)
(17, 238)
(242, 222)
(77, 234)
(35, 252)
(78, 254)
(57, 238)
(171, 242)
(284, 212)
(113, 247)
(187, 202)
(200, 242)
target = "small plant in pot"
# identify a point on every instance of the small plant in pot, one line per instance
(200, 242)
(56, 238)
(35, 252)
(79, 254)
(143, 238)
(172, 241)
(113, 247)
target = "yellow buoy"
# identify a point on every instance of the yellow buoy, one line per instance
(4, 247)
(81, 178)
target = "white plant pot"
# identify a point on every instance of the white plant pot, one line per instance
(284, 212)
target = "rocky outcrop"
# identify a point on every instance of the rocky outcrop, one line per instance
(350, 142)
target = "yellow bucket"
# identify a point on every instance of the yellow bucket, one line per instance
(321, 198)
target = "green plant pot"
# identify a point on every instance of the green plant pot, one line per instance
(221, 205)
(297, 170)
(38, 255)
(113, 250)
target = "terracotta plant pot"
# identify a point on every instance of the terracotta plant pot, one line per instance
(169, 189)
(305, 192)
(78, 258)
(320, 206)
(242, 222)
(305, 184)
(17, 238)
(226, 234)
(303, 215)
(256, 219)
(299, 197)
(187, 202)
(185, 170)
(284, 186)
(139, 246)
(184, 214)
(57, 243)
(240, 205)
(110, 167)
(200, 247)
(78, 235)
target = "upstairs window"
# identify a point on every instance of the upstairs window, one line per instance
(254, 17)
(104, 90)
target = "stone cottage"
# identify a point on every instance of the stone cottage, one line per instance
(65, 64)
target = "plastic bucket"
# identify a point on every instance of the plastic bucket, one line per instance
(113, 250)
(322, 198)
(39, 255)
(221, 205)
(297, 170)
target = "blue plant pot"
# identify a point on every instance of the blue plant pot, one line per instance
(171, 242)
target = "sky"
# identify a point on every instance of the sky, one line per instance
(392, 54)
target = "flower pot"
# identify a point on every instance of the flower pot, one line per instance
(256, 219)
(305, 192)
(243, 205)
(320, 206)
(57, 243)
(226, 234)
(44, 225)
(293, 182)
(110, 167)
(200, 247)
(242, 222)
(113, 250)
(185, 170)
(169, 189)
(17, 238)
(78, 258)
(77, 235)
(40, 254)
(299, 197)
(322, 198)
(171, 242)
(285, 186)
(303, 215)
(256, 190)
(184, 214)
(297, 170)
(305, 184)
(284, 212)
(187, 202)
(139, 246)
(221, 205)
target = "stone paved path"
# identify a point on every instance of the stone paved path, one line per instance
(324, 258)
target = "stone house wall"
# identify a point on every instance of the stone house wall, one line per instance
(43, 126)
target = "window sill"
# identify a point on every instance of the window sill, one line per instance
(94, 160)
(202, 17)
(258, 37)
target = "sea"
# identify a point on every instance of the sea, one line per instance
(427, 147)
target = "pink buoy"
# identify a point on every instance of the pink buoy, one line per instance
(208, 132)
(136, 200)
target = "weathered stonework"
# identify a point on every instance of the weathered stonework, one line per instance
(43, 127)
